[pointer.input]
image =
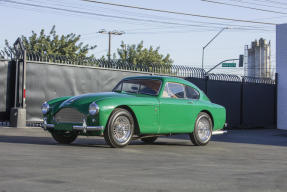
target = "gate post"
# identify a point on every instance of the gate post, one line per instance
(206, 79)
(18, 112)
(241, 101)
(275, 100)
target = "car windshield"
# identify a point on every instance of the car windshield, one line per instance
(139, 86)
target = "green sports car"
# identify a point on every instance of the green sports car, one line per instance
(143, 107)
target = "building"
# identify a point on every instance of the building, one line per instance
(258, 58)
(281, 68)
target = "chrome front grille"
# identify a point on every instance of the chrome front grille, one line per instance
(69, 115)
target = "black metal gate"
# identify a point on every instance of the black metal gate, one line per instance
(249, 102)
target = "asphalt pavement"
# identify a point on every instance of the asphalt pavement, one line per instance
(241, 160)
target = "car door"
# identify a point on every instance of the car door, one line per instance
(176, 112)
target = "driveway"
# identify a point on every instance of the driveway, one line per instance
(241, 160)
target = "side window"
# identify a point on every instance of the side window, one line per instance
(118, 87)
(173, 90)
(131, 87)
(191, 93)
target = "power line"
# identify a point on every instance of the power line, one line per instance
(179, 13)
(258, 4)
(170, 31)
(105, 15)
(169, 18)
(126, 18)
(133, 19)
(271, 1)
(181, 24)
(209, 23)
(55, 12)
(246, 7)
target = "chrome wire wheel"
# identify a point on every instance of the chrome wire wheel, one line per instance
(121, 129)
(204, 129)
(202, 132)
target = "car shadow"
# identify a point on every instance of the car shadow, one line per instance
(80, 142)
(26, 140)
(273, 137)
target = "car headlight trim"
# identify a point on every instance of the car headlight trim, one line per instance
(93, 109)
(45, 108)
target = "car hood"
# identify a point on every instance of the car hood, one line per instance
(82, 102)
(89, 98)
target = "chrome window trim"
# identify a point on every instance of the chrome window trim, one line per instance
(185, 97)
(158, 92)
(175, 83)
(195, 91)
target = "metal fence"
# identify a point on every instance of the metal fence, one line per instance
(249, 101)
(174, 70)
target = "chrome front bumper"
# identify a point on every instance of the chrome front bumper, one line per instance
(47, 126)
(88, 128)
(83, 127)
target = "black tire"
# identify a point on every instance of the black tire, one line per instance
(148, 140)
(121, 123)
(196, 137)
(64, 137)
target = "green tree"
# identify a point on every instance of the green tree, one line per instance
(137, 54)
(66, 45)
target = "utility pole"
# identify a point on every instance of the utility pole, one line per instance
(110, 33)
(203, 48)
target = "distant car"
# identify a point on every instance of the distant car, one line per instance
(143, 107)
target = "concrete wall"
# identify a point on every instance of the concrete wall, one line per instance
(3, 84)
(6, 86)
(46, 81)
(281, 68)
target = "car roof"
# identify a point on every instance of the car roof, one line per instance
(163, 78)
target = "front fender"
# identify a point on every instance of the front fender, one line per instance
(142, 107)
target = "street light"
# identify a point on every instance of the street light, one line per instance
(110, 33)
(203, 48)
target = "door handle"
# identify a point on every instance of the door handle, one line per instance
(190, 102)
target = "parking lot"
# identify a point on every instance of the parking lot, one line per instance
(241, 160)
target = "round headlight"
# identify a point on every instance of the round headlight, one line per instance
(45, 108)
(93, 108)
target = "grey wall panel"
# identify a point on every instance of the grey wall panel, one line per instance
(47, 81)
(281, 69)
(3, 84)
(6, 89)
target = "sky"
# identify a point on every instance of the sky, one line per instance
(181, 36)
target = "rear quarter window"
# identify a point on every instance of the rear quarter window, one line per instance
(191, 93)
